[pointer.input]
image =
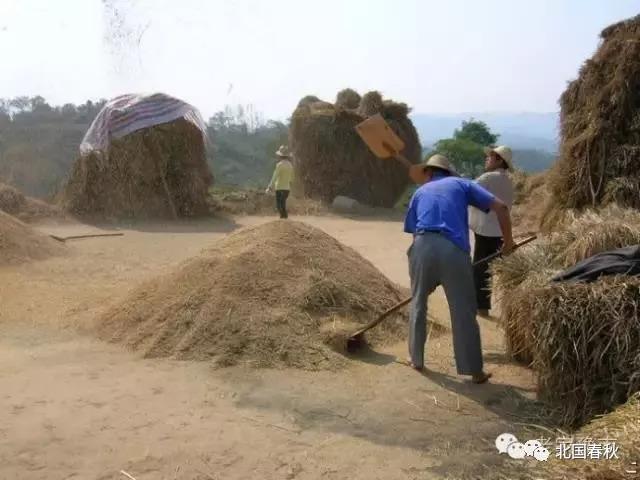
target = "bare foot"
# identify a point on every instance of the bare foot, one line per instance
(409, 363)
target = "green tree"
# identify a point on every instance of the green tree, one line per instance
(466, 149)
(475, 131)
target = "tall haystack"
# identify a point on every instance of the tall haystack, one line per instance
(20, 243)
(600, 126)
(330, 158)
(582, 339)
(285, 306)
(143, 157)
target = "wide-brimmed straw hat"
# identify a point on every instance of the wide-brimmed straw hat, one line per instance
(283, 152)
(417, 172)
(503, 152)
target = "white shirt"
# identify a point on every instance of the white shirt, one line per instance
(499, 184)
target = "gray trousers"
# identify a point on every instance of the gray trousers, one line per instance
(435, 260)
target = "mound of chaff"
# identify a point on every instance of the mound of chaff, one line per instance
(21, 243)
(600, 126)
(581, 339)
(27, 209)
(331, 160)
(280, 294)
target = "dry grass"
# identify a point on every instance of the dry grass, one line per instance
(600, 126)
(331, 159)
(20, 243)
(581, 339)
(621, 427)
(27, 209)
(256, 202)
(279, 294)
(152, 173)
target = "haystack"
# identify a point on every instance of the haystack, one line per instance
(279, 294)
(531, 199)
(139, 165)
(20, 243)
(600, 126)
(581, 339)
(330, 159)
(14, 202)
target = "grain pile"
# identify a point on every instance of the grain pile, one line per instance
(268, 296)
(600, 126)
(27, 209)
(330, 159)
(581, 339)
(20, 243)
(155, 172)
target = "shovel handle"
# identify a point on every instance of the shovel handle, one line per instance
(406, 301)
(397, 155)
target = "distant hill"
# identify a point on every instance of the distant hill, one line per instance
(520, 130)
(532, 136)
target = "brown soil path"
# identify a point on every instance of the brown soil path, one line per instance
(75, 408)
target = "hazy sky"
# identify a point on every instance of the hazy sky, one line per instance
(438, 56)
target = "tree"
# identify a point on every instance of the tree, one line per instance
(466, 149)
(475, 131)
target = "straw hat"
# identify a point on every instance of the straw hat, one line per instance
(418, 175)
(283, 152)
(503, 152)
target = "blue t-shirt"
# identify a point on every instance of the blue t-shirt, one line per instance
(441, 205)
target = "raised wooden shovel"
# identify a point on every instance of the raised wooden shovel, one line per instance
(385, 144)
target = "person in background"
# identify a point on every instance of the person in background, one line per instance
(439, 255)
(485, 226)
(281, 180)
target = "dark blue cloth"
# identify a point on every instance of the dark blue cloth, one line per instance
(622, 261)
(441, 205)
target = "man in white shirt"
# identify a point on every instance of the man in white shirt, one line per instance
(485, 226)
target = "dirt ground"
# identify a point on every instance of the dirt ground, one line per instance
(72, 407)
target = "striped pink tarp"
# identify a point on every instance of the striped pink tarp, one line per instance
(127, 113)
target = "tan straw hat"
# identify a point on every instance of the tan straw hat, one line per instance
(283, 152)
(503, 152)
(417, 172)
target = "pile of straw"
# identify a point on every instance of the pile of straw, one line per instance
(330, 158)
(27, 209)
(277, 295)
(20, 243)
(157, 172)
(582, 339)
(600, 126)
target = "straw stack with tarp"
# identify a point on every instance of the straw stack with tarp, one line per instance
(600, 127)
(142, 157)
(331, 160)
(582, 339)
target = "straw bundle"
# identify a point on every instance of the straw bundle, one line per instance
(330, 158)
(581, 339)
(156, 172)
(348, 98)
(600, 126)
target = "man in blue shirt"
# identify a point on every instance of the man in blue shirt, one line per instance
(439, 255)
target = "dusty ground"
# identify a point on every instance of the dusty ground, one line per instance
(75, 408)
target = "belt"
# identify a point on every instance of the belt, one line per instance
(422, 232)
